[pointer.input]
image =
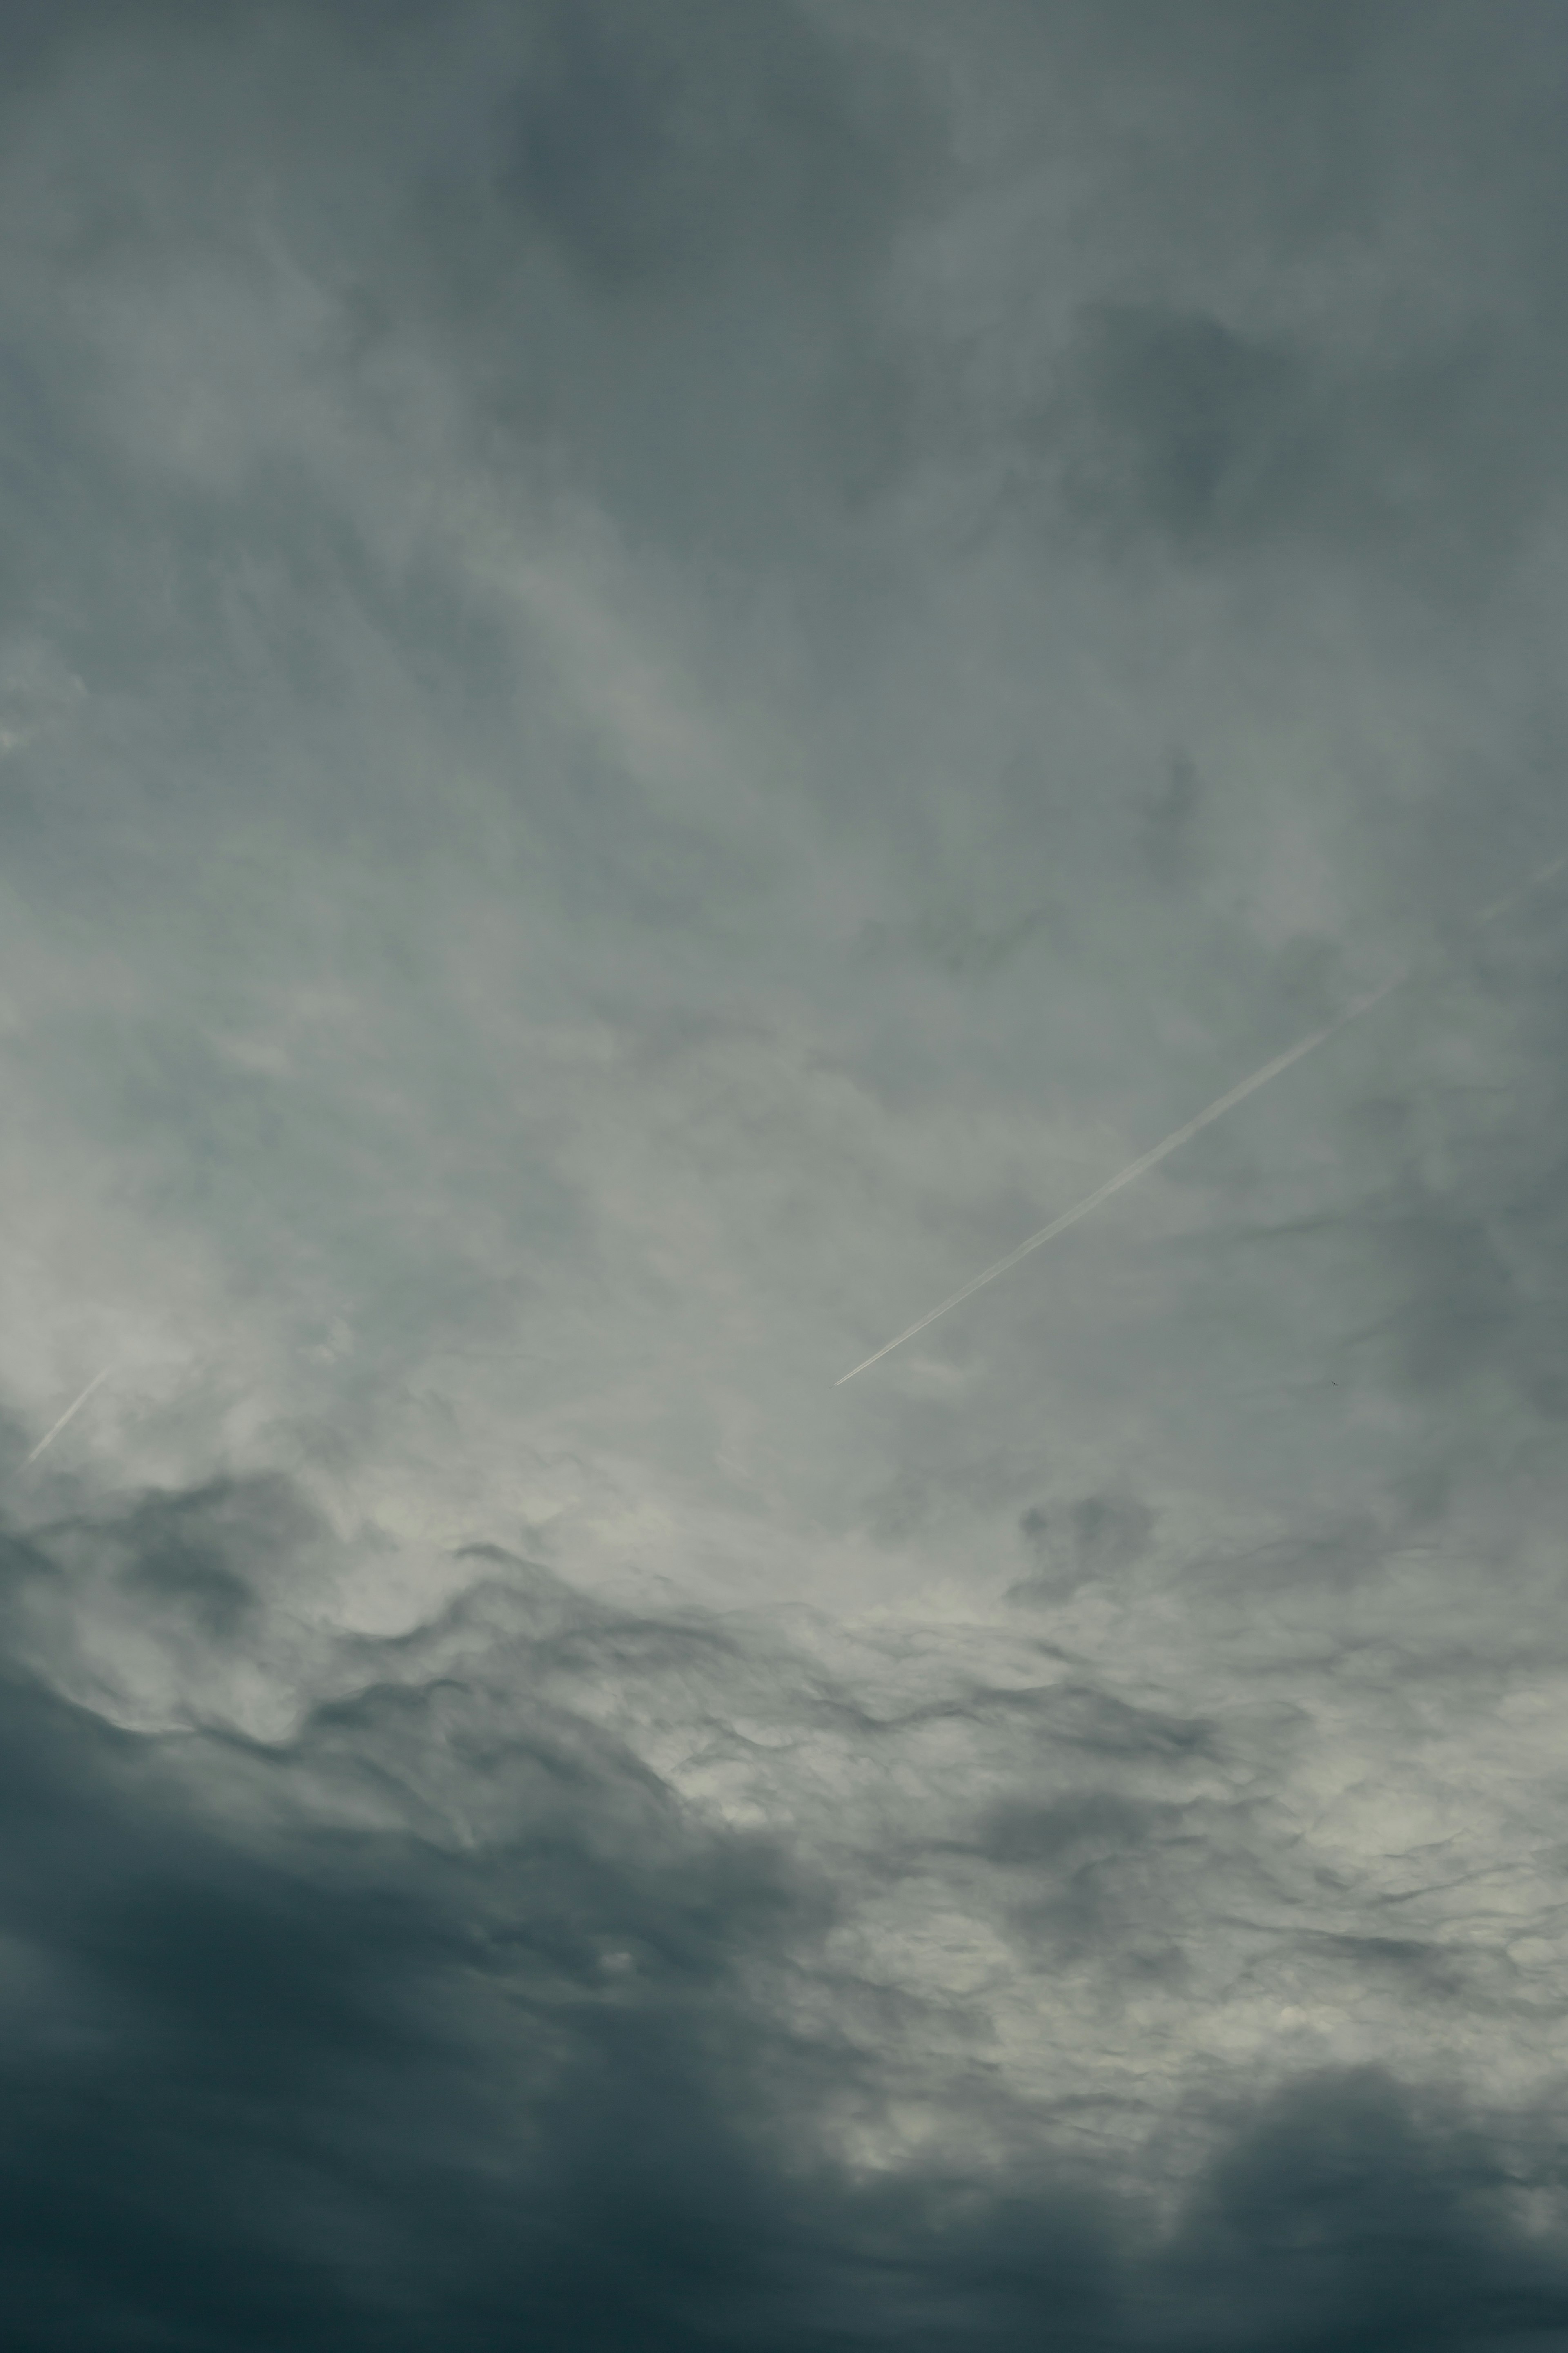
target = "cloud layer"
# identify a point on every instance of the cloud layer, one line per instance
(665, 674)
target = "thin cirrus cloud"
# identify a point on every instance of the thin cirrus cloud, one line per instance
(665, 673)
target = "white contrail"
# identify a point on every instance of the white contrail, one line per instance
(1134, 1168)
(1172, 1143)
(49, 1436)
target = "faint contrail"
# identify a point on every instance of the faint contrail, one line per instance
(49, 1436)
(1531, 882)
(1180, 1135)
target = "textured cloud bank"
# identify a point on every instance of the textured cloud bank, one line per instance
(568, 1973)
(665, 673)
(564, 1969)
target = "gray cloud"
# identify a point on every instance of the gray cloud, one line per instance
(664, 676)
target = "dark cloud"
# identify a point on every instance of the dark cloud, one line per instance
(1352, 2218)
(1185, 426)
(353, 2082)
(279, 2069)
(1177, 427)
(674, 147)
(1093, 1537)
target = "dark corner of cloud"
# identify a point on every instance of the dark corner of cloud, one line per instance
(204, 1557)
(1349, 2212)
(662, 147)
(674, 242)
(1067, 1545)
(1172, 423)
(1218, 438)
(1346, 335)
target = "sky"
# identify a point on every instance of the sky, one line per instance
(667, 672)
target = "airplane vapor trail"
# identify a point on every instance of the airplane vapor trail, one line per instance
(50, 1435)
(1182, 1134)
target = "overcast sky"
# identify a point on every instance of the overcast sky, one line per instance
(669, 668)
